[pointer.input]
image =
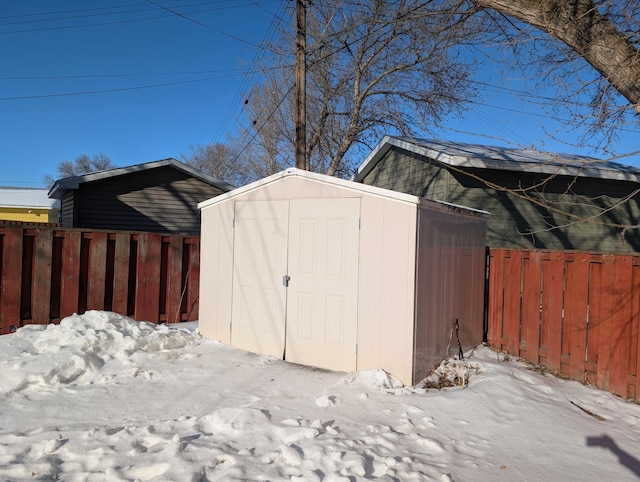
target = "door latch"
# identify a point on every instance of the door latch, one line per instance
(285, 280)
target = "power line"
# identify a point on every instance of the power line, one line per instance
(122, 89)
(178, 14)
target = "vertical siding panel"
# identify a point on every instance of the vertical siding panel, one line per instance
(147, 285)
(531, 306)
(194, 280)
(496, 297)
(620, 325)
(41, 292)
(575, 312)
(606, 320)
(70, 286)
(97, 271)
(512, 297)
(121, 273)
(174, 280)
(551, 330)
(11, 280)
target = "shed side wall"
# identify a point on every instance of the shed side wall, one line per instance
(449, 287)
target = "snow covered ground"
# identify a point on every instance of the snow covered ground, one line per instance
(103, 398)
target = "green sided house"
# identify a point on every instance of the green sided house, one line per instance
(536, 199)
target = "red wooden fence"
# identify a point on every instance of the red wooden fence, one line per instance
(49, 273)
(574, 313)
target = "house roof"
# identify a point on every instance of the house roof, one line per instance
(63, 186)
(345, 184)
(502, 158)
(26, 197)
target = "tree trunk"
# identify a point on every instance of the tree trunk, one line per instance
(579, 25)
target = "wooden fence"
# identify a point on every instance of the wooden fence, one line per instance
(49, 273)
(575, 313)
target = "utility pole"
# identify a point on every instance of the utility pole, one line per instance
(301, 73)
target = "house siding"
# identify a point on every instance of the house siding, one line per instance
(400, 171)
(67, 210)
(528, 210)
(158, 200)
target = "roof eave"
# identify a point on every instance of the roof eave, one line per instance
(63, 186)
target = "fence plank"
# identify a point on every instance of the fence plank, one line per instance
(41, 294)
(11, 280)
(531, 306)
(606, 322)
(121, 272)
(70, 286)
(512, 297)
(551, 328)
(634, 334)
(575, 312)
(620, 326)
(174, 280)
(496, 297)
(97, 271)
(194, 280)
(148, 286)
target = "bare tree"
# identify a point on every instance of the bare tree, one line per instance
(82, 164)
(226, 162)
(589, 51)
(373, 68)
(603, 33)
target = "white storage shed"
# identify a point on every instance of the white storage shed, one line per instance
(340, 275)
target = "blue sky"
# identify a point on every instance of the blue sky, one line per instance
(138, 83)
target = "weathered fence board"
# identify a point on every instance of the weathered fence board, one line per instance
(11, 284)
(575, 313)
(48, 273)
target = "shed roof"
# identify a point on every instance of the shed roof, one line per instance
(63, 186)
(345, 184)
(26, 197)
(503, 158)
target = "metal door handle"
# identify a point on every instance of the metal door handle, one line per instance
(285, 280)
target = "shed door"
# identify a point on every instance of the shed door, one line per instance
(315, 242)
(323, 291)
(260, 261)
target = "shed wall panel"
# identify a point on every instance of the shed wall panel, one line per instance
(216, 274)
(386, 292)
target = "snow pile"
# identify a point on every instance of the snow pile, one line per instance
(104, 398)
(85, 349)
